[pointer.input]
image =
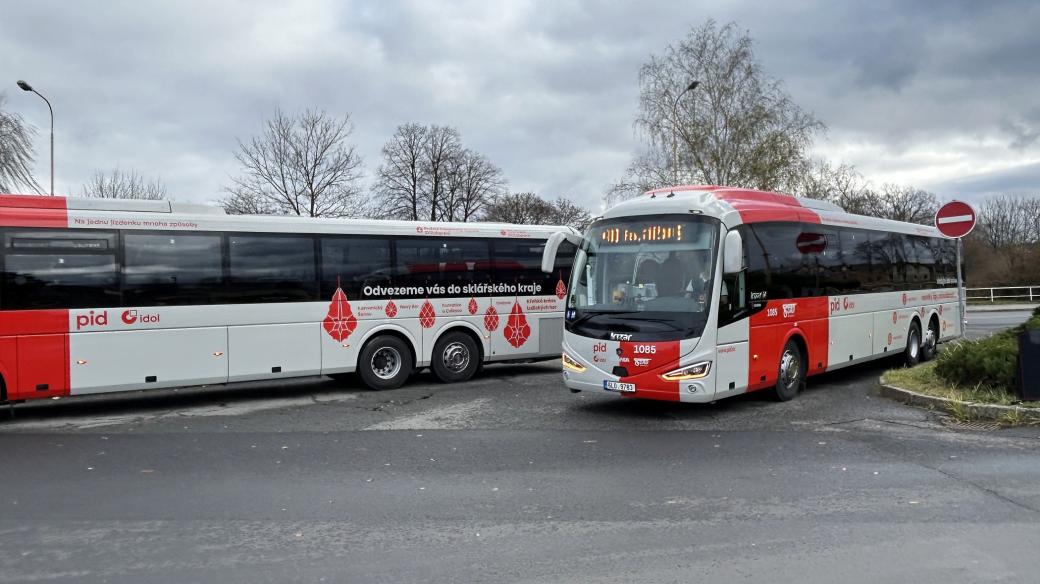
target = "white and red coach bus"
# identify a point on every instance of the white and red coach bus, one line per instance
(103, 295)
(697, 293)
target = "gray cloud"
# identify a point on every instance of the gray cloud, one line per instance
(919, 92)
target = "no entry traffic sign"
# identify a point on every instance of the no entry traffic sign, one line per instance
(955, 219)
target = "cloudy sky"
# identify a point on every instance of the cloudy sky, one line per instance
(943, 95)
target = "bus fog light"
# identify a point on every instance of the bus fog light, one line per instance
(695, 371)
(571, 363)
(694, 388)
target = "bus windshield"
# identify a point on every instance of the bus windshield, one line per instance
(648, 276)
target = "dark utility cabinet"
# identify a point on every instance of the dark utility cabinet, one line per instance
(1029, 365)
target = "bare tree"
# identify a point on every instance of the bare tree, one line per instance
(400, 181)
(520, 208)
(566, 212)
(442, 148)
(428, 175)
(16, 152)
(299, 165)
(737, 128)
(118, 184)
(1006, 220)
(530, 209)
(902, 203)
(473, 181)
(248, 203)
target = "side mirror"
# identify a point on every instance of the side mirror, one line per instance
(733, 252)
(552, 245)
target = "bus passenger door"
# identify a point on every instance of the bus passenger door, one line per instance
(731, 348)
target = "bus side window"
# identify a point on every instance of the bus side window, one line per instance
(352, 263)
(60, 269)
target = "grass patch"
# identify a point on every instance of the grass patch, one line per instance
(923, 379)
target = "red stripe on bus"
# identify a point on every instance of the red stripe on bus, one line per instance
(645, 363)
(34, 353)
(33, 211)
(777, 323)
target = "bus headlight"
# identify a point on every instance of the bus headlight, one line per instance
(570, 363)
(695, 371)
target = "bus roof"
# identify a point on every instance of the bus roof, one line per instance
(71, 212)
(735, 206)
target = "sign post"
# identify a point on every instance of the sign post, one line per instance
(955, 220)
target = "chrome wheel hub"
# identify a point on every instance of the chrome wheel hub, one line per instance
(790, 369)
(455, 357)
(386, 362)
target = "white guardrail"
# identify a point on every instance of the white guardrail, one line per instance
(1003, 294)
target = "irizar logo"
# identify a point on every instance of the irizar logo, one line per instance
(620, 337)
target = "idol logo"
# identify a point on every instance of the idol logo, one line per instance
(131, 317)
(789, 310)
(92, 319)
(620, 337)
(641, 361)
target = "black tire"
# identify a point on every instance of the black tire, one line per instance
(912, 352)
(930, 342)
(455, 358)
(790, 377)
(385, 362)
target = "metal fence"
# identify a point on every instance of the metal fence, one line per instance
(1004, 294)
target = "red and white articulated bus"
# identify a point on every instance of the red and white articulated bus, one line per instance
(697, 293)
(107, 295)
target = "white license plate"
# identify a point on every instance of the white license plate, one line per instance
(619, 386)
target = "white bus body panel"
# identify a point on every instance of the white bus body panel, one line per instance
(122, 360)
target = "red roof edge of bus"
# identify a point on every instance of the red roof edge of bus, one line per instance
(33, 211)
(32, 201)
(756, 206)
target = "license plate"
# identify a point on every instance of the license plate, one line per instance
(619, 386)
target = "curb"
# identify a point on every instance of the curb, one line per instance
(970, 410)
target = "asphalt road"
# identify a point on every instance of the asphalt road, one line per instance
(510, 478)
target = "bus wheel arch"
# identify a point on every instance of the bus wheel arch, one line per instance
(458, 354)
(386, 360)
(798, 337)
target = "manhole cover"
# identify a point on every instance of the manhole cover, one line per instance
(976, 425)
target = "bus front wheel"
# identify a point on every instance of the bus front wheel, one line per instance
(791, 375)
(385, 363)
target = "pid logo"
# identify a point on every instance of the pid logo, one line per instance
(132, 317)
(92, 319)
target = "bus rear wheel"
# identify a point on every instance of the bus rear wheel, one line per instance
(791, 374)
(912, 353)
(930, 343)
(385, 362)
(456, 357)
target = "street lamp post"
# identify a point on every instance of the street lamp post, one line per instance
(26, 87)
(675, 116)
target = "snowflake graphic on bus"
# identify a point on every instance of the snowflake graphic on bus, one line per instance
(517, 331)
(340, 320)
